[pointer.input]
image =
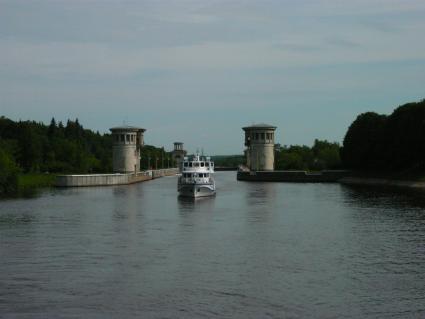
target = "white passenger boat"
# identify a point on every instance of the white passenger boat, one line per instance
(196, 179)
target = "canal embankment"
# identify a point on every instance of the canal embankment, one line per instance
(333, 176)
(352, 180)
(85, 180)
(328, 176)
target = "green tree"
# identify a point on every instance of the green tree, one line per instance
(364, 142)
(8, 173)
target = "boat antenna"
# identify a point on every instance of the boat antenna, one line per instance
(202, 151)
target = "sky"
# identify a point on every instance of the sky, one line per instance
(198, 71)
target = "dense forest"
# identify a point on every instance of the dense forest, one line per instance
(322, 155)
(376, 142)
(32, 147)
(228, 160)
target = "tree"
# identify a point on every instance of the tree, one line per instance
(363, 142)
(8, 174)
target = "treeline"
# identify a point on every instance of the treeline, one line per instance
(228, 160)
(154, 157)
(387, 143)
(322, 155)
(28, 147)
(55, 148)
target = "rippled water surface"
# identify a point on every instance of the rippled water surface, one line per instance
(256, 250)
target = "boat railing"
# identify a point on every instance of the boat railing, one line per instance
(197, 180)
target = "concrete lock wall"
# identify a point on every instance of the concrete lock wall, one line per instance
(111, 179)
(92, 180)
(261, 157)
(125, 158)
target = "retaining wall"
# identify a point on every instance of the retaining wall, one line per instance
(292, 176)
(111, 179)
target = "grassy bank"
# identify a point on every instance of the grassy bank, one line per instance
(32, 181)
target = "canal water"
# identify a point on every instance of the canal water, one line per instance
(256, 250)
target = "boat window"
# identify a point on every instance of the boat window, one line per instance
(257, 136)
(127, 138)
(186, 164)
(262, 136)
(207, 164)
(212, 164)
(122, 137)
(207, 175)
(196, 164)
(202, 164)
(117, 138)
(190, 164)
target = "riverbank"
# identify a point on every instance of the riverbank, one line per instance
(411, 180)
(417, 184)
(26, 181)
(23, 185)
(327, 176)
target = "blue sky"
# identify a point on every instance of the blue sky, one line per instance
(197, 71)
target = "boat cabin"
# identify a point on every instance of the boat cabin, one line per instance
(197, 163)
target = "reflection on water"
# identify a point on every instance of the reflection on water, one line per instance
(381, 196)
(201, 204)
(255, 250)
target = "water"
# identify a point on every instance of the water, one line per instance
(256, 250)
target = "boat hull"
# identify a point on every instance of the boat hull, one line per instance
(196, 190)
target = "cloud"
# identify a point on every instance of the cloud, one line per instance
(255, 60)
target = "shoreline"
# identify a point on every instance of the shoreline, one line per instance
(370, 181)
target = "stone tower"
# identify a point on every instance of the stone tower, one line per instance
(127, 143)
(259, 142)
(178, 154)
